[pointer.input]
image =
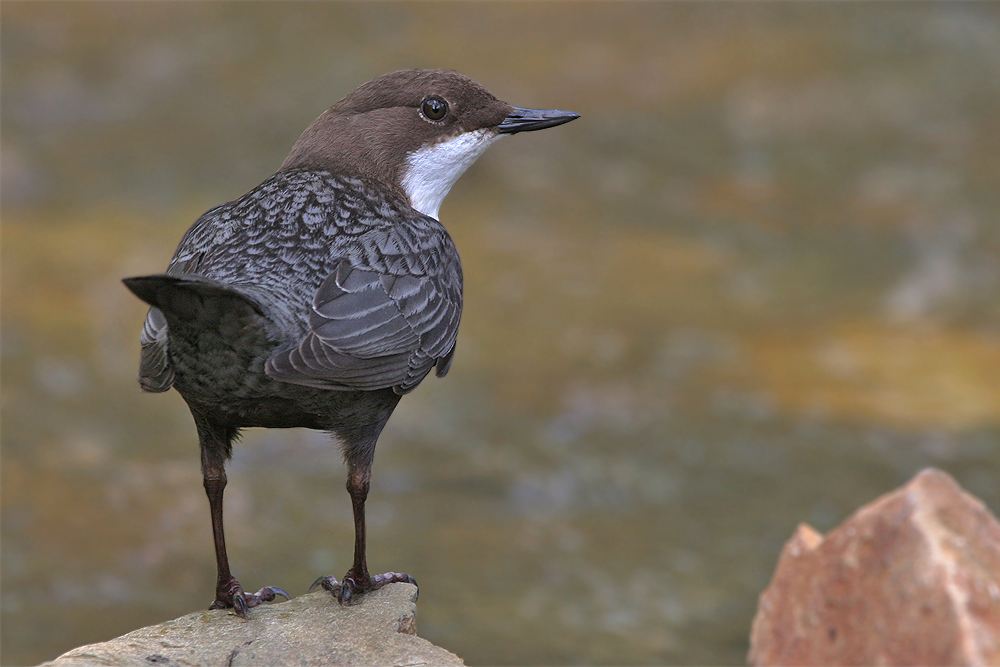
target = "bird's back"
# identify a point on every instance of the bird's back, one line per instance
(309, 280)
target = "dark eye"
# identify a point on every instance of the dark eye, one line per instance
(434, 108)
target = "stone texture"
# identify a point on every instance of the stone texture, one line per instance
(309, 630)
(912, 578)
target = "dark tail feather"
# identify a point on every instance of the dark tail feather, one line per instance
(186, 297)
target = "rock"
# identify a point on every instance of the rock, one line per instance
(912, 578)
(310, 630)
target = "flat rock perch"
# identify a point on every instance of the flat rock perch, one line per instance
(313, 629)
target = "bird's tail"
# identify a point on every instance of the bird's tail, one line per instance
(190, 307)
(187, 297)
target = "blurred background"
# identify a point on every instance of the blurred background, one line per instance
(754, 285)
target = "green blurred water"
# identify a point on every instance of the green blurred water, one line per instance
(754, 285)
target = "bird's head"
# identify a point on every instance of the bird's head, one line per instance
(415, 131)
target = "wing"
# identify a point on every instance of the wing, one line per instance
(155, 373)
(382, 323)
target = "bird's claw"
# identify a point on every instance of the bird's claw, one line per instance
(240, 605)
(233, 596)
(268, 593)
(353, 585)
(327, 582)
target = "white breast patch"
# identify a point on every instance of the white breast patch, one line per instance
(431, 171)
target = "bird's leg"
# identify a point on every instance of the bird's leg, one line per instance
(358, 482)
(228, 591)
(357, 580)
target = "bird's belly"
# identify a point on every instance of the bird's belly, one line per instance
(229, 382)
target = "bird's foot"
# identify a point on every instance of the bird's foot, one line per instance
(353, 585)
(231, 596)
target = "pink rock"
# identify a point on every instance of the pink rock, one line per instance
(912, 578)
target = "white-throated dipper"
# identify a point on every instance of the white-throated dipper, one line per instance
(328, 291)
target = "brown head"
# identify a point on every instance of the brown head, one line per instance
(415, 131)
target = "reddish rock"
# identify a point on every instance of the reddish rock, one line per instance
(912, 578)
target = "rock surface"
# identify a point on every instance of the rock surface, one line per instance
(912, 578)
(309, 630)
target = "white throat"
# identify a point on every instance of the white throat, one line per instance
(431, 171)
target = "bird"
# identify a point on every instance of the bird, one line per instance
(324, 294)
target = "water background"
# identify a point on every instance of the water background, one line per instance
(754, 285)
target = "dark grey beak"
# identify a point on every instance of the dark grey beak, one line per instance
(525, 120)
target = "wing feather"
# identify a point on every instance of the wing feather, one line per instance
(155, 373)
(379, 320)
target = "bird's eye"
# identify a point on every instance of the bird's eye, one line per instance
(434, 108)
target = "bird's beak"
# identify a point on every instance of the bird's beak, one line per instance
(525, 120)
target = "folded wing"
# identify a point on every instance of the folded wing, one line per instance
(372, 329)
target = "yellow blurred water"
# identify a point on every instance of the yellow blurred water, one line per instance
(755, 284)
